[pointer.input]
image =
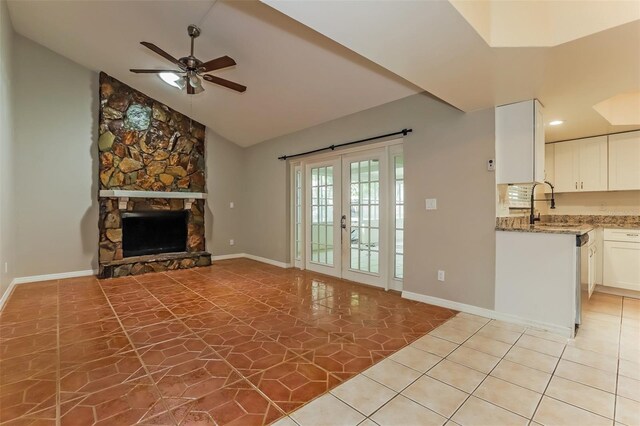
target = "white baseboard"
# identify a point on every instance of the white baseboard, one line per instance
(268, 261)
(252, 257)
(487, 313)
(617, 291)
(228, 256)
(40, 278)
(7, 293)
(60, 276)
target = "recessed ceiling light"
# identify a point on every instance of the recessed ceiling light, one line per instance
(170, 78)
(555, 122)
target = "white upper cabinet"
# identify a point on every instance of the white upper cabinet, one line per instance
(624, 161)
(520, 148)
(581, 165)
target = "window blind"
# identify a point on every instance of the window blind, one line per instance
(519, 196)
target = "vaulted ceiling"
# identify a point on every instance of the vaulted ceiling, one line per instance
(296, 77)
(431, 44)
(307, 62)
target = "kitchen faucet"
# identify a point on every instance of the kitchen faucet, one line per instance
(532, 216)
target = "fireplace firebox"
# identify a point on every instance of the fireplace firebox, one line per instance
(154, 232)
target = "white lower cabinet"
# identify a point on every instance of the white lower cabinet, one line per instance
(599, 255)
(589, 264)
(621, 263)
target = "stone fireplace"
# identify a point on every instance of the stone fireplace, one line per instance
(152, 185)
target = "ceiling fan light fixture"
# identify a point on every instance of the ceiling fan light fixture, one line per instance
(191, 68)
(171, 79)
(198, 89)
(194, 81)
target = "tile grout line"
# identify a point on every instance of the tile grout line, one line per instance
(615, 395)
(487, 374)
(242, 376)
(269, 337)
(144, 366)
(311, 325)
(434, 378)
(573, 405)
(544, 393)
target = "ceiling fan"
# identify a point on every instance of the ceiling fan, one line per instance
(191, 69)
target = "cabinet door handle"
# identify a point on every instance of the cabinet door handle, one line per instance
(576, 185)
(581, 185)
(632, 235)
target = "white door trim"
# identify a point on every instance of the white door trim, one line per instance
(391, 147)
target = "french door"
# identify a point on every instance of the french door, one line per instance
(365, 218)
(350, 206)
(323, 217)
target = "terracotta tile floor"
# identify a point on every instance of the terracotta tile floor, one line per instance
(238, 343)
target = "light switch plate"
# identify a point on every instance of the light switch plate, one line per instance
(231, 205)
(431, 204)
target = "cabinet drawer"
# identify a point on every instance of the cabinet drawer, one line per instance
(628, 235)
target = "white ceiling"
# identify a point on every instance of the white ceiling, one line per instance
(432, 45)
(296, 77)
(543, 23)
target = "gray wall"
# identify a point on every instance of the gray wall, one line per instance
(55, 167)
(225, 184)
(55, 182)
(7, 219)
(445, 158)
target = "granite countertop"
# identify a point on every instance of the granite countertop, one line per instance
(567, 224)
(548, 228)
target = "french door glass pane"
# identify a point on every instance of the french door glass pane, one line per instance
(322, 215)
(398, 165)
(298, 215)
(365, 216)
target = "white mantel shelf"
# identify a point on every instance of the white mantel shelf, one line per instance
(123, 196)
(119, 193)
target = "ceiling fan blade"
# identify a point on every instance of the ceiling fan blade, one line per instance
(139, 71)
(226, 83)
(218, 63)
(162, 53)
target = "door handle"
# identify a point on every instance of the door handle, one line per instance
(343, 222)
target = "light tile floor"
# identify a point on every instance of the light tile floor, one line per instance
(476, 371)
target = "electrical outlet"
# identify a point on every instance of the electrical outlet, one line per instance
(6, 267)
(232, 242)
(431, 204)
(440, 275)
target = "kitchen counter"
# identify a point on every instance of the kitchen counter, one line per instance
(536, 271)
(567, 224)
(548, 228)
